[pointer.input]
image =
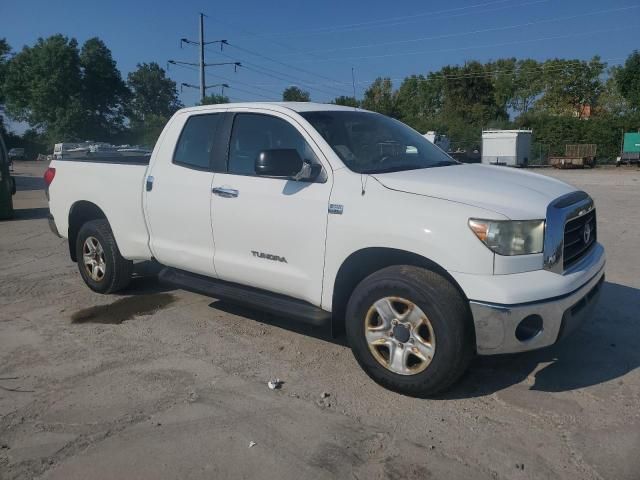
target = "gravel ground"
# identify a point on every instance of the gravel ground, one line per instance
(161, 384)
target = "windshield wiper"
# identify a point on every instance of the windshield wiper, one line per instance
(400, 168)
(397, 168)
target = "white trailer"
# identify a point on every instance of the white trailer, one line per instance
(506, 147)
(438, 139)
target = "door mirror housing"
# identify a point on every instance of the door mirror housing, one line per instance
(279, 162)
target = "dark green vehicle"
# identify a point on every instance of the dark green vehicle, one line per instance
(7, 184)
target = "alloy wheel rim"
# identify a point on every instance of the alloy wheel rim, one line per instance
(93, 259)
(400, 336)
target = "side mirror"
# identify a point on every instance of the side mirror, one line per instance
(279, 162)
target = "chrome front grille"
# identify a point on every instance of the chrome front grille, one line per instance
(579, 236)
(565, 238)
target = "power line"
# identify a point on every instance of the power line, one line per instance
(493, 45)
(256, 68)
(250, 52)
(201, 43)
(380, 22)
(485, 30)
(263, 38)
(227, 85)
(257, 87)
(260, 69)
(490, 73)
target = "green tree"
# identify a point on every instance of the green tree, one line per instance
(419, 101)
(295, 94)
(214, 100)
(469, 103)
(529, 85)
(346, 101)
(628, 80)
(503, 73)
(146, 132)
(152, 93)
(571, 85)
(611, 101)
(104, 93)
(380, 97)
(469, 94)
(5, 51)
(43, 87)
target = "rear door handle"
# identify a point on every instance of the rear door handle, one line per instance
(225, 192)
(149, 184)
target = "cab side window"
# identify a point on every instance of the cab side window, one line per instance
(196, 143)
(253, 133)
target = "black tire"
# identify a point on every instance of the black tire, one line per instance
(118, 270)
(445, 309)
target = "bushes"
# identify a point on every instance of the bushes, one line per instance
(555, 132)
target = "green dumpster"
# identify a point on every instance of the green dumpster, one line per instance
(631, 143)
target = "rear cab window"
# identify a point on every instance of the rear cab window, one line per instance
(196, 145)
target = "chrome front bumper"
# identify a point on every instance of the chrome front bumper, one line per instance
(496, 324)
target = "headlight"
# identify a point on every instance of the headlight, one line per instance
(510, 237)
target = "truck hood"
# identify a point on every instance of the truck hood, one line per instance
(516, 194)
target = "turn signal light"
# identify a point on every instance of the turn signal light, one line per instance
(481, 229)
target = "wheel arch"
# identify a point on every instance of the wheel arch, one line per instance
(80, 213)
(362, 263)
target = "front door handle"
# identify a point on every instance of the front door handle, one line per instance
(149, 183)
(225, 192)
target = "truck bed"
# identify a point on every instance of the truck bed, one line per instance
(115, 185)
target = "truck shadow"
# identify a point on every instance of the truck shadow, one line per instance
(604, 349)
(145, 295)
(30, 213)
(25, 183)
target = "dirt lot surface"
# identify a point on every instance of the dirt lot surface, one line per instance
(161, 384)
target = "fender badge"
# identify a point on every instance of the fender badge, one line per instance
(336, 209)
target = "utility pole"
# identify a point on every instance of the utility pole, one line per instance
(203, 87)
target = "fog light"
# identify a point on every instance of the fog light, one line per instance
(529, 327)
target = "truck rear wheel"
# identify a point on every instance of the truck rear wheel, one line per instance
(102, 267)
(409, 329)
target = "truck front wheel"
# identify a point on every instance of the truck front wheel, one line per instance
(101, 265)
(410, 330)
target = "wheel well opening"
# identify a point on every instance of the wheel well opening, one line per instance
(359, 265)
(79, 214)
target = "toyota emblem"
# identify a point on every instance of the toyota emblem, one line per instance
(586, 233)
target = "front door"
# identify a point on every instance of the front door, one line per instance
(270, 232)
(178, 196)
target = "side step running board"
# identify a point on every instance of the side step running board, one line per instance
(252, 297)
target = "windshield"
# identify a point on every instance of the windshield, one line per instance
(371, 143)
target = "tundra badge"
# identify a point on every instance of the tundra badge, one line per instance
(269, 256)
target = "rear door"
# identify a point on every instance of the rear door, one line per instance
(270, 232)
(178, 193)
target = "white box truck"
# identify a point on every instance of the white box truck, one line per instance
(506, 147)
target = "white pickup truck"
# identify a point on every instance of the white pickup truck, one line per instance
(333, 214)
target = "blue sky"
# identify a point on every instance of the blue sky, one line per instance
(315, 44)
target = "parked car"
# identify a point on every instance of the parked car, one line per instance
(7, 184)
(334, 214)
